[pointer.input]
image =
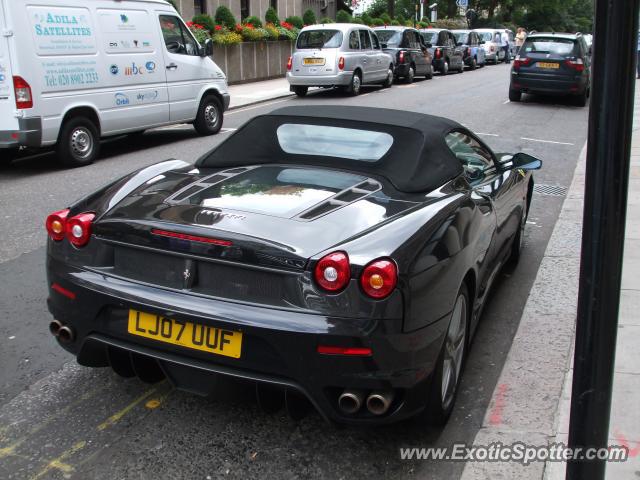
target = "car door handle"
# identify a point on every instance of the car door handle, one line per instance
(364, 61)
(172, 66)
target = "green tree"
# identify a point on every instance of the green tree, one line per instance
(309, 17)
(295, 21)
(271, 16)
(343, 17)
(253, 20)
(225, 17)
(205, 20)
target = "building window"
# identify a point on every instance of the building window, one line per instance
(244, 9)
(199, 6)
(274, 4)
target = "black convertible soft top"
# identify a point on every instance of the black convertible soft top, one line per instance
(419, 159)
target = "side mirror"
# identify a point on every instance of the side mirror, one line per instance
(383, 45)
(522, 161)
(207, 50)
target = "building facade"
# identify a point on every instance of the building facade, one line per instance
(242, 9)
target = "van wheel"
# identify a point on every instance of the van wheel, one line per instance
(445, 68)
(582, 99)
(210, 116)
(78, 143)
(429, 74)
(474, 63)
(300, 91)
(354, 87)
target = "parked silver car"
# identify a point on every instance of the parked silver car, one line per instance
(492, 44)
(338, 55)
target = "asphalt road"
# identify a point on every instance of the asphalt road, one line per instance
(60, 420)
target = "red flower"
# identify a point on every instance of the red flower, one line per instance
(238, 27)
(189, 24)
(286, 25)
(249, 26)
(218, 28)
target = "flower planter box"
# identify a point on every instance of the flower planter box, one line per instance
(253, 61)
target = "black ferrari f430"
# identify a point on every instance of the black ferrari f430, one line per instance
(342, 256)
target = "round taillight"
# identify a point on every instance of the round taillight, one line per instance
(56, 224)
(341, 63)
(333, 272)
(290, 63)
(379, 278)
(78, 229)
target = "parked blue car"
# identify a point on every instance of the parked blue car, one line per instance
(472, 50)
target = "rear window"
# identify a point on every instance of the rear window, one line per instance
(429, 37)
(319, 39)
(485, 36)
(392, 38)
(350, 143)
(556, 46)
(462, 37)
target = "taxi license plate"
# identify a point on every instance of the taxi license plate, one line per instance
(314, 61)
(186, 334)
(548, 65)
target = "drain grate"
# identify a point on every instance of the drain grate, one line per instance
(553, 190)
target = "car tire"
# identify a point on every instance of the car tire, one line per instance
(210, 116)
(518, 241)
(445, 68)
(582, 99)
(300, 91)
(442, 393)
(410, 75)
(474, 63)
(429, 75)
(461, 69)
(515, 95)
(389, 80)
(78, 142)
(354, 86)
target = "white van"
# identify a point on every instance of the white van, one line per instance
(72, 74)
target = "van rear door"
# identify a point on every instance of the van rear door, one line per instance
(8, 120)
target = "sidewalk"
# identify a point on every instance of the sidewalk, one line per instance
(531, 401)
(624, 427)
(245, 94)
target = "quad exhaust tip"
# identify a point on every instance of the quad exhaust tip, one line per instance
(379, 402)
(350, 401)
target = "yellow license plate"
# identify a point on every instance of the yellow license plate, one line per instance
(314, 61)
(548, 65)
(185, 334)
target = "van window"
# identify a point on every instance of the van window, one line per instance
(177, 37)
(376, 42)
(319, 39)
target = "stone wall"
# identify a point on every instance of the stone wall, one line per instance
(251, 61)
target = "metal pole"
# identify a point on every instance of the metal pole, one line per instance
(605, 203)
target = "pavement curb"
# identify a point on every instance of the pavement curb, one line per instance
(526, 402)
(262, 100)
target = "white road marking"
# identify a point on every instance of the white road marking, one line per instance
(486, 134)
(546, 141)
(508, 101)
(227, 130)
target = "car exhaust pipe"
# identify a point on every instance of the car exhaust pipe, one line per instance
(350, 401)
(379, 402)
(66, 335)
(54, 327)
